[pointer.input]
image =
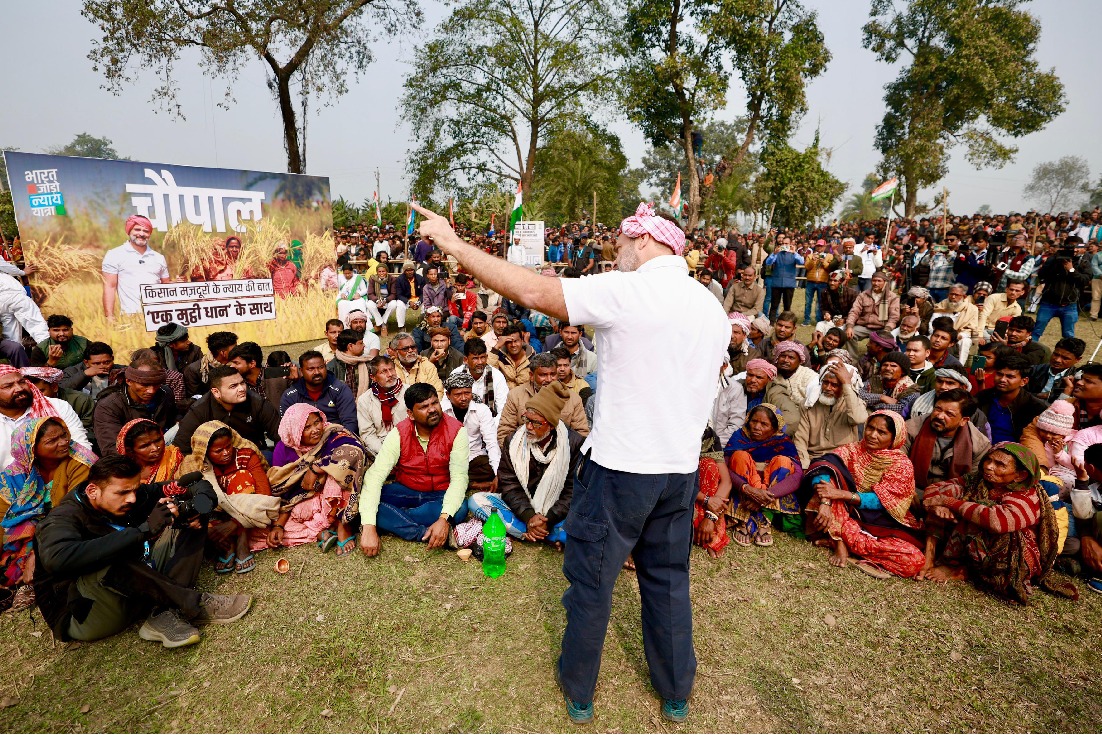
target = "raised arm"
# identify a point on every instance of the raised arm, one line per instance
(511, 281)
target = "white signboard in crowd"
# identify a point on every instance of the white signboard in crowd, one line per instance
(207, 303)
(529, 237)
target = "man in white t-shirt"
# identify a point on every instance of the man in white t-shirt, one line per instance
(635, 487)
(129, 266)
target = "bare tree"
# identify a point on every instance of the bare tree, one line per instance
(1058, 185)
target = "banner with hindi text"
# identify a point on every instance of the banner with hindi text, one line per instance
(229, 250)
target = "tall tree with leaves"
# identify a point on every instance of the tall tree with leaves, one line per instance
(971, 78)
(680, 57)
(495, 78)
(309, 48)
(797, 183)
(577, 163)
(1058, 185)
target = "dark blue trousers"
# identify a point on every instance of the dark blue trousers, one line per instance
(614, 514)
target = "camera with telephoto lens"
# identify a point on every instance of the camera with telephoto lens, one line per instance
(198, 499)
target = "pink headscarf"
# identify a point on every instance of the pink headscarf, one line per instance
(791, 345)
(766, 367)
(293, 423)
(137, 219)
(48, 374)
(40, 404)
(738, 319)
(645, 222)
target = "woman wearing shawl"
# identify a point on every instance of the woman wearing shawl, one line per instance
(862, 500)
(317, 469)
(997, 526)
(765, 474)
(713, 492)
(143, 441)
(237, 471)
(892, 389)
(46, 465)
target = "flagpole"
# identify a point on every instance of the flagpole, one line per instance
(891, 208)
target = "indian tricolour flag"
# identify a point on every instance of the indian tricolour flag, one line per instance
(518, 208)
(378, 212)
(411, 218)
(675, 198)
(884, 190)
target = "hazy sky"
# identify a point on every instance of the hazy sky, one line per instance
(51, 94)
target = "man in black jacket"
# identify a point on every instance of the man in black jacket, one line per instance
(107, 556)
(142, 395)
(1060, 299)
(230, 401)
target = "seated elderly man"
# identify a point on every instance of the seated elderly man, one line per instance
(874, 310)
(965, 316)
(542, 373)
(485, 454)
(435, 318)
(412, 367)
(740, 351)
(143, 395)
(945, 444)
(788, 390)
(382, 406)
(106, 557)
(428, 453)
(536, 476)
(755, 382)
(834, 416)
(745, 296)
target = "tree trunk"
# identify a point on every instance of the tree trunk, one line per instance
(694, 178)
(910, 201)
(295, 161)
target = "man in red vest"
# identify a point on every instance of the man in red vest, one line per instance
(428, 453)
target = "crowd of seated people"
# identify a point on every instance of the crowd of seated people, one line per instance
(920, 431)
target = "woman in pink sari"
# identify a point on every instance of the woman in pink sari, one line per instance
(317, 468)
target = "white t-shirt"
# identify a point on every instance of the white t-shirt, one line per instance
(134, 269)
(660, 338)
(372, 342)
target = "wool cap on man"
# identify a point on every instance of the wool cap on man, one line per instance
(549, 402)
(646, 222)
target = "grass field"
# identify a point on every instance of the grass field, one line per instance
(421, 641)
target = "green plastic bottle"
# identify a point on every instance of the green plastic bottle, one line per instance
(493, 546)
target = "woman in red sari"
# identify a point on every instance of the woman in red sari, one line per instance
(862, 500)
(712, 496)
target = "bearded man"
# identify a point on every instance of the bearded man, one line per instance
(834, 415)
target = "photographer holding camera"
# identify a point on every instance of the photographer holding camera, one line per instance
(116, 549)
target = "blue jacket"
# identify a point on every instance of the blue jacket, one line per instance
(401, 287)
(336, 402)
(784, 268)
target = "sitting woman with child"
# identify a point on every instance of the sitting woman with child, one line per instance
(317, 470)
(765, 474)
(862, 494)
(246, 508)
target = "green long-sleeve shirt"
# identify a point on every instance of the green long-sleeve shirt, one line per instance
(388, 457)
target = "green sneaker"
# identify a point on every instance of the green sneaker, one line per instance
(675, 710)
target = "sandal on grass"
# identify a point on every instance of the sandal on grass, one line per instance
(763, 537)
(343, 549)
(326, 540)
(741, 535)
(246, 565)
(872, 570)
(225, 564)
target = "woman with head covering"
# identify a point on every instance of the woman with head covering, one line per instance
(143, 441)
(862, 500)
(46, 465)
(996, 526)
(892, 389)
(765, 474)
(237, 471)
(317, 469)
(713, 492)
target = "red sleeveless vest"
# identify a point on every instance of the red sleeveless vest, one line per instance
(422, 470)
